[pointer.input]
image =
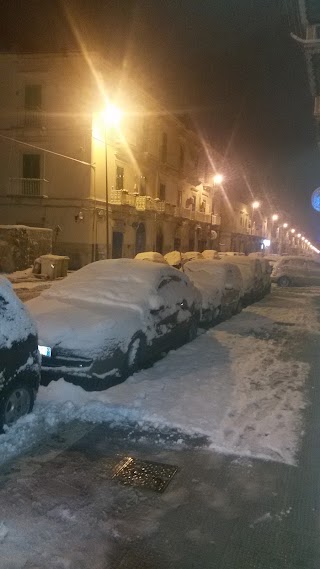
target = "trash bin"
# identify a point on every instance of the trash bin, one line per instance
(54, 266)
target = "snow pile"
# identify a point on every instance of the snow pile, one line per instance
(241, 385)
(15, 322)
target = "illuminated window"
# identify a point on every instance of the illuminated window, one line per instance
(162, 192)
(119, 178)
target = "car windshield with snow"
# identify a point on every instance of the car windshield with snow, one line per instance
(19, 357)
(106, 320)
(296, 271)
(251, 272)
(221, 288)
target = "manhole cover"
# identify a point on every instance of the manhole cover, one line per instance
(145, 474)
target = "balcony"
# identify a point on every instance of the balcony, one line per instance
(216, 219)
(201, 216)
(28, 187)
(144, 203)
(31, 119)
(121, 197)
(164, 207)
(183, 212)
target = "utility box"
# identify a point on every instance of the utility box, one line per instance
(54, 266)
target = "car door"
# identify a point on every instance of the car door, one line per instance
(297, 272)
(313, 269)
(172, 317)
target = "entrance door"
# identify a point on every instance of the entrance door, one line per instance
(159, 241)
(117, 243)
(141, 239)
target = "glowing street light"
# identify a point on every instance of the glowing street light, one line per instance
(218, 179)
(299, 235)
(255, 205)
(275, 217)
(293, 230)
(112, 118)
(285, 226)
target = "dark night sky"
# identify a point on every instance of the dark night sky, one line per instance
(231, 62)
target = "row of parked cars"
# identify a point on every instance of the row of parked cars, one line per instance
(110, 318)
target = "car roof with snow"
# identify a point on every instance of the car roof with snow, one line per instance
(113, 282)
(151, 256)
(15, 322)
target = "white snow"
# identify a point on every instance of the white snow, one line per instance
(101, 306)
(240, 384)
(210, 278)
(151, 256)
(15, 321)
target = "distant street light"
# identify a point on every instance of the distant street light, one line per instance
(293, 230)
(255, 205)
(112, 119)
(275, 217)
(299, 235)
(285, 225)
(218, 179)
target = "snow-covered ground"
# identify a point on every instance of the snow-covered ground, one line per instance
(241, 384)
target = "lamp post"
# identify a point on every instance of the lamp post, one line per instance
(283, 228)
(218, 179)
(274, 218)
(112, 119)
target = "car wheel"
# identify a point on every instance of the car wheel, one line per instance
(17, 400)
(193, 330)
(284, 282)
(135, 355)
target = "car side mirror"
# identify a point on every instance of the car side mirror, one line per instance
(228, 286)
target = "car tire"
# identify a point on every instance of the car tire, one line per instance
(16, 401)
(284, 282)
(135, 355)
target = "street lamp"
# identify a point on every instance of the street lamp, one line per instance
(254, 205)
(275, 217)
(293, 230)
(112, 120)
(285, 225)
(218, 179)
(299, 235)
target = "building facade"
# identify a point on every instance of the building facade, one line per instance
(62, 161)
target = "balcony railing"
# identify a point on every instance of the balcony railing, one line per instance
(31, 118)
(145, 203)
(166, 208)
(201, 216)
(29, 187)
(216, 219)
(120, 197)
(183, 212)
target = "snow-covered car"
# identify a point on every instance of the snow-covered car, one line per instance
(266, 275)
(231, 254)
(272, 258)
(221, 288)
(251, 272)
(106, 320)
(177, 259)
(210, 254)
(19, 357)
(152, 256)
(296, 271)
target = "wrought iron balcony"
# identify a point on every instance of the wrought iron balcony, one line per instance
(144, 203)
(28, 187)
(216, 219)
(31, 118)
(183, 212)
(121, 197)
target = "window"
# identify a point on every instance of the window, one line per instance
(179, 198)
(33, 97)
(31, 174)
(164, 147)
(119, 178)
(203, 206)
(162, 192)
(143, 186)
(193, 203)
(31, 166)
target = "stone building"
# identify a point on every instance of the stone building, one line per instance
(62, 159)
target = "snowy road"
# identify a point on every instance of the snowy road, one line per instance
(240, 385)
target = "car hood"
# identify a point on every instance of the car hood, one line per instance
(82, 328)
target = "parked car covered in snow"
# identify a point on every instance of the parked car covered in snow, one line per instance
(19, 357)
(221, 288)
(177, 259)
(210, 254)
(266, 275)
(231, 254)
(152, 256)
(251, 272)
(106, 320)
(296, 271)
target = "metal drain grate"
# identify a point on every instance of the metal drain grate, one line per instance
(145, 474)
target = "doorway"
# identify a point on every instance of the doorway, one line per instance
(117, 244)
(140, 238)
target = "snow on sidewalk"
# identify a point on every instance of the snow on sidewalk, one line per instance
(240, 384)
